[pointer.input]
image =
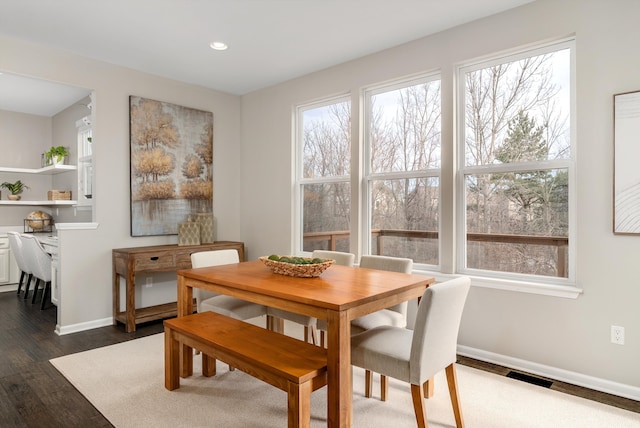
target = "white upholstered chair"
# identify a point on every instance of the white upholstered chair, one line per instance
(15, 243)
(416, 356)
(309, 323)
(396, 315)
(219, 303)
(39, 262)
(225, 305)
(340, 258)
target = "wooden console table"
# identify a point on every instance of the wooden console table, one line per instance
(127, 262)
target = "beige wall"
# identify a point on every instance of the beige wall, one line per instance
(566, 338)
(22, 138)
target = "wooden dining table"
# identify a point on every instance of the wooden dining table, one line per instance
(339, 295)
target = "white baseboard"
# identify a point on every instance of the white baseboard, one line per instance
(574, 378)
(75, 328)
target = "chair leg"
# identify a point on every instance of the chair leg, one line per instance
(46, 292)
(35, 290)
(26, 288)
(275, 324)
(269, 325)
(384, 387)
(311, 332)
(368, 380)
(429, 388)
(452, 381)
(22, 275)
(417, 395)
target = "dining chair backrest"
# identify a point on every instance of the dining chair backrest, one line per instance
(15, 243)
(391, 264)
(435, 333)
(211, 258)
(37, 258)
(341, 258)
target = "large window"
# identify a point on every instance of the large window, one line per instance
(324, 156)
(402, 143)
(507, 171)
(516, 165)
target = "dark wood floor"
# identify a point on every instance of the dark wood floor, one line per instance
(34, 394)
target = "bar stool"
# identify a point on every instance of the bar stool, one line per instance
(15, 243)
(40, 262)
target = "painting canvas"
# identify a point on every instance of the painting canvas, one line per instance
(626, 216)
(171, 165)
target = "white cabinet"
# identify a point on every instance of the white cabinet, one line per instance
(4, 266)
(8, 267)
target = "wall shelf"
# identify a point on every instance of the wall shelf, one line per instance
(38, 203)
(47, 170)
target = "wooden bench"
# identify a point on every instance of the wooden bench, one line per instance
(296, 367)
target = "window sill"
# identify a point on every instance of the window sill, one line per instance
(564, 291)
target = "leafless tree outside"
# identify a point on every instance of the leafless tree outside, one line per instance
(513, 117)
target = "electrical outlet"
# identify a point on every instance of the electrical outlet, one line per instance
(149, 284)
(617, 335)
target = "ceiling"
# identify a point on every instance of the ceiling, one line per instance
(270, 41)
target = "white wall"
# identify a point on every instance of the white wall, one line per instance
(550, 335)
(86, 254)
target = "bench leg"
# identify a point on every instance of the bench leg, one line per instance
(171, 360)
(299, 405)
(208, 366)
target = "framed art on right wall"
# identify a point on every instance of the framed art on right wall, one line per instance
(626, 180)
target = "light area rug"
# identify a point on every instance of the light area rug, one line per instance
(125, 382)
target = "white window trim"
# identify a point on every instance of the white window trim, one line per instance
(298, 181)
(549, 286)
(369, 176)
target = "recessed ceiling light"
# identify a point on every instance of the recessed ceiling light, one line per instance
(219, 46)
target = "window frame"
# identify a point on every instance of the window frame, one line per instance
(299, 180)
(564, 287)
(84, 161)
(451, 175)
(368, 177)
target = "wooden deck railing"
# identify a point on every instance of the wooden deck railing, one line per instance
(560, 242)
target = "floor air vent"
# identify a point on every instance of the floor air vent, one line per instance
(530, 379)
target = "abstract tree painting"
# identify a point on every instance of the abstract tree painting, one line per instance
(171, 165)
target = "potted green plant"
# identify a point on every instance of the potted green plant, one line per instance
(55, 155)
(15, 189)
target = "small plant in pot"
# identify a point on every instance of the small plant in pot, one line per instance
(15, 189)
(55, 155)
